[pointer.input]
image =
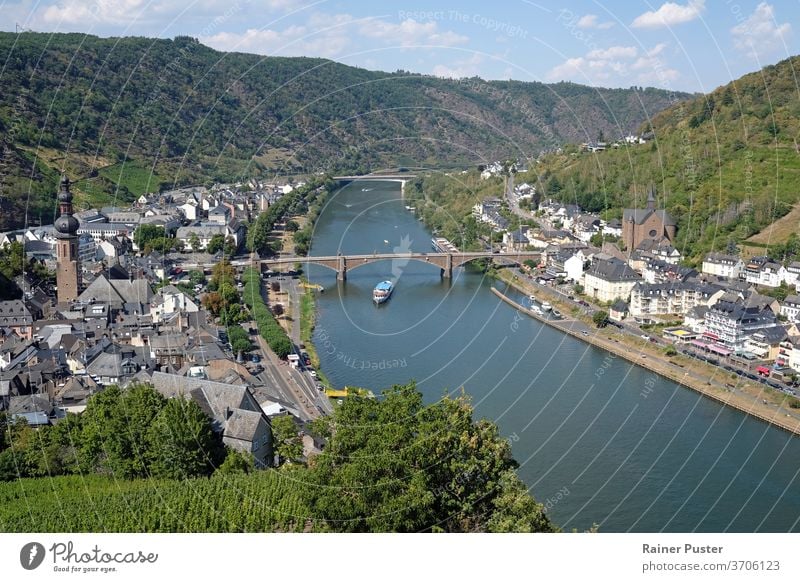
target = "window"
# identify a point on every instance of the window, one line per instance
(652, 233)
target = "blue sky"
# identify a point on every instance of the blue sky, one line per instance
(692, 45)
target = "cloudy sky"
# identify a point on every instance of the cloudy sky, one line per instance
(693, 45)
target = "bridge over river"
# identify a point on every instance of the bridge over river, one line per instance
(344, 263)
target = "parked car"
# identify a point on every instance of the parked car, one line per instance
(255, 358)
(313, 373)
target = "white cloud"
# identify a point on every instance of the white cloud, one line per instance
(101, 11)
(617, 66)
(289, 42)
(591, 21)
(670, 14)
(409, 33)
(760, 34)
(613, 52)
(460, 69)
(331, 36)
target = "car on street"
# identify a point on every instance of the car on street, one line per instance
(584, 332)
(313, 373)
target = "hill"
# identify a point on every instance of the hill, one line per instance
(128, 115)
(726, 164)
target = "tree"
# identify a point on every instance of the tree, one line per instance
(213, 302)
(229, 248)
(237, 463)
(277, 309)
(428, 468)
(275, 286)
(282, 346)
(194, 242)
(12, 259)
(114, 425)
(181, 442)
(578, 288)
(286, 439)
(146, 233)
(600, 318)
(197, 277)
(216, 244)
(292, 226)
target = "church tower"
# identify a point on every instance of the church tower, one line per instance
(68, 274)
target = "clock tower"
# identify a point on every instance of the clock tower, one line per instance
(68, 274)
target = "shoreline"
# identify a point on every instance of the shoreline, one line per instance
(706, 385)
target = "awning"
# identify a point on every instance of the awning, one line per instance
(720, 350)
(699, 344)
(762, 369)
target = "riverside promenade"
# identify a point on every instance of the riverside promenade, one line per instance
(748, 397)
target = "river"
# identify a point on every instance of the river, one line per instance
(598, 440)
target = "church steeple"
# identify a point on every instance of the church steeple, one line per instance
(68, 274)
(651, 198)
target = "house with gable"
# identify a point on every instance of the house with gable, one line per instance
(233, 410)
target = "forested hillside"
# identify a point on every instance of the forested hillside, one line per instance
(725, 165)
(128, 115)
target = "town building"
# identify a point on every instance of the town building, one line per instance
(647, 223)
(732, 319)
(722, 265)
(68, 273)
(609, 280)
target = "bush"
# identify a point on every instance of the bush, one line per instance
(600, 318)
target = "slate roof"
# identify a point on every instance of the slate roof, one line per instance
(117, 291)
(640, 215)
(14, 313)
(721, 259)
(243, 424)
(612, 270)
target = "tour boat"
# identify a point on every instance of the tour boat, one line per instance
(546, 306)
(382, 291)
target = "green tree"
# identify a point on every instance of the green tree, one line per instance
(428, 468)
(146, 233)
(286, 438)
(194, 242)
(236, 463)
(292, 226)
(12, 259)
(216, 244)
(181, 442)
(600, 318)
(229, 248)
(197, 278)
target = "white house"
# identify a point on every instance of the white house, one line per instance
(169, 300)
(722, 265)
(790, 308)
(608, 280)
(763, 271)
(792, 276)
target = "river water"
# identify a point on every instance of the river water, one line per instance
(598, 440)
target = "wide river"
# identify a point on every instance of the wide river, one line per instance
(598, 440)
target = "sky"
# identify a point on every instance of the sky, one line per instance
(688, 45)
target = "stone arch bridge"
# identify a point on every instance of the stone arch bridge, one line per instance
(342, 264)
